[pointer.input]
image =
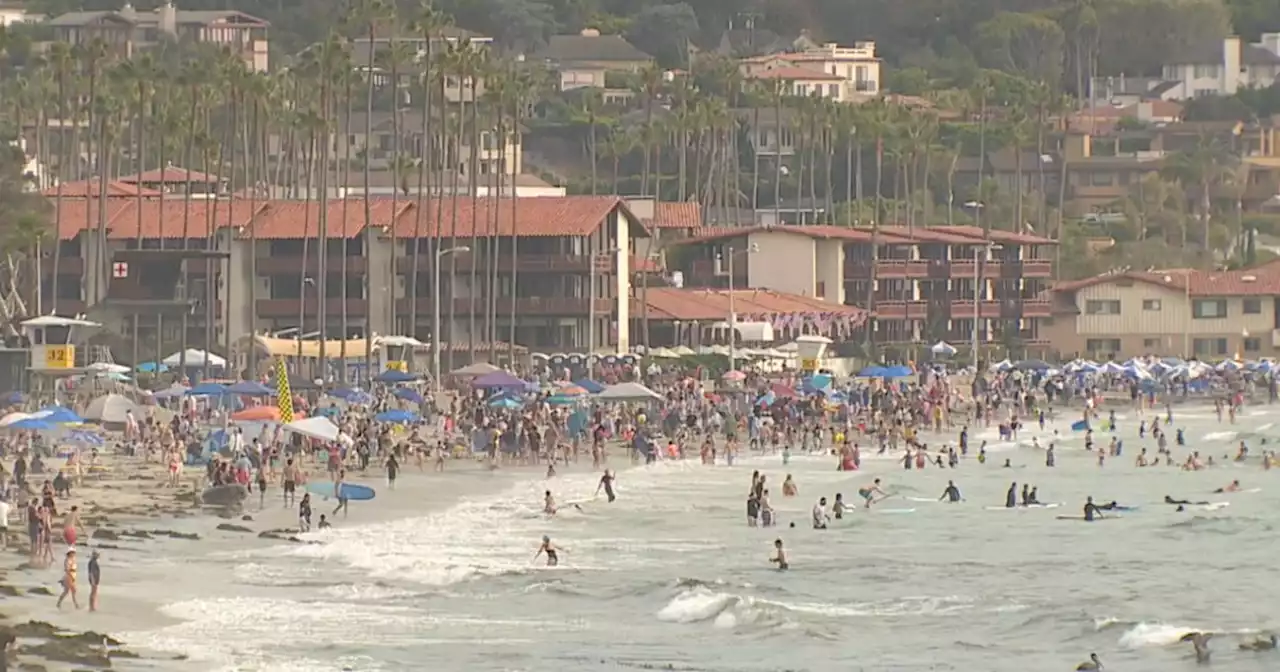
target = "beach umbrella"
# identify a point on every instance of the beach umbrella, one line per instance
(58, 415)
(475, 370)
(734, 376)
(151, 367)
(35, 424)
(872, 371)
(408, 394)
(506, 403)
(394, 376)
(591, 386)
(498, 380)
(207, 390)
(397, 417)
(172, 392)
(1032, 365)
(898, 371)
(11, 418)
(106, 367)
(1003, 365)
(571, 390)
(251, 388)
(561, 400)
(943, 349)
(258, 414)
(86, 438)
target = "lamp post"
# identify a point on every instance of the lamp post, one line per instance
(435, 312)
(977, 294)
(733, 316)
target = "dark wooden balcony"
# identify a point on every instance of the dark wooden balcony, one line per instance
(525, 307)
(296, 264)
(898, 310)
(901, 268)
(525, 263)
(290, 307)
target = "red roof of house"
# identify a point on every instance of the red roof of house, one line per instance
(794, 72)
(171, 175)
(669, 303)
(997, 235)
(678, 215)
(820, 232)
(81, 214)
(92, 189)
(1261, 280)
(281, 220)
(931, 234)
(543, 216)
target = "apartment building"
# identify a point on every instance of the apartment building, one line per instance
(1210, 315)
(856, 68)
(921, 284)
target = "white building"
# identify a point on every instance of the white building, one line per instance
(1224, 68)
(858, 66)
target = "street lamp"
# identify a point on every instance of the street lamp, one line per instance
(435, 312)
(733, 316)
(977, 293)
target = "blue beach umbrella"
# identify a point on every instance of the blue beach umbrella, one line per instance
(409, 395)
(250, 388)
(207, 390)
(393, 376)
(58, 415)
(35, 424)
(398, 417)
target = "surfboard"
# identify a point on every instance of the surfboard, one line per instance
(351, 491)
(1051, 505)
(923, 500)
(896, 510)
(1214, 506)
(1108, 517)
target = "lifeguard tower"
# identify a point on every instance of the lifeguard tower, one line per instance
(52, 352)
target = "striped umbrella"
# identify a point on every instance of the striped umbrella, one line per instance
(571, 390)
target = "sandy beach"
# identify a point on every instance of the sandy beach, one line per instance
(147, 534)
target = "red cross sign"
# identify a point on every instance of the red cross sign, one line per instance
(120, 270)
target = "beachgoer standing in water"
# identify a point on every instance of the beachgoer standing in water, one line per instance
(780, 556)
(304, 513)
(551, 550)
(393, 468)
(290, 477)
(606, 482)
(69, 570)
(95, 578)
(339, 487)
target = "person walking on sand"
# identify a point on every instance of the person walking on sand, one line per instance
(95, 578)
(69, 570)
(393, 468)
(71, 525)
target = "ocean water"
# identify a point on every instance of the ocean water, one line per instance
(670, 577)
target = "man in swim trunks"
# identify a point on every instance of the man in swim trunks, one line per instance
(606, 483)
(820, 514)
(550, 549)
(1090, 509)
(869, 494)
(951, 493)
(1234, 486)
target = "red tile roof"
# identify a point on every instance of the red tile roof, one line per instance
(678, 215)
(1262, 280)
(997, 235)
(92, 189)
(794, 72)
(819, 232)
(81, 214)
(930, 234)
(543, 216)
(172, 175)
(668, 303)
(280, 220)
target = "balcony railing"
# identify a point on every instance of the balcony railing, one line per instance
(525, 263)
(525, 307)
(288, 265)
(912, 310)
(291, 307)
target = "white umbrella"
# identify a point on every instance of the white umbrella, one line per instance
(943, 348)
(475, 370)
(111, 408)
(193, 358)
(104, 367)
(318, 427)
(627, 392)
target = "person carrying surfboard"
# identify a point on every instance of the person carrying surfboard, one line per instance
(339, 493)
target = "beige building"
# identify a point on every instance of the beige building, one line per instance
(1208, 315)
(128, 30)
(584, 60)
(857, 67)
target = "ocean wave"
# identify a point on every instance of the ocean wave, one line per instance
(1146, 634)
(1220, 436)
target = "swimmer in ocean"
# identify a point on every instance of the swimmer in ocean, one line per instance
(839, 506)
(820, 514)
(1091, 509)
(606, 482)
(549, 504)
(551, 550)
(1183, 502)
(780, 556)
(868, 494)
(789, 488)
(951, 493)
(1234, 486)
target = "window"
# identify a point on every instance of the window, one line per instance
(1099, 179)
(1151, 304)
(1209, 309)
(833, 90)
(1151, 344)
(1209, 346)
(1102, 345)
(1111, 307)
(1252, 344)
(1205, 71)
(1253, 306)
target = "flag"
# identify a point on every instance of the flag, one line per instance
(284, 396)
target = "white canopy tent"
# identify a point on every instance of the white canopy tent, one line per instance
(192, 358)
(110, 408)
(627, 392)
(318, 427)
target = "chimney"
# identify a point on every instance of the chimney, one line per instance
(168, 18)
(1230, 81)
(128, 12)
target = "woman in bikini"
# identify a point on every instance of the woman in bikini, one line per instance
(69, 570)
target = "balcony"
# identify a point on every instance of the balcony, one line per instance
(525, 263)
(525, 307)
(290, 307)
(899, 310)
(297, 265)
(901, 268)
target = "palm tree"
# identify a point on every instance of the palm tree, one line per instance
(371, 14)
(650, 86)
(1198, 170)
(61, 58)
(472, 69)
(427, 24)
